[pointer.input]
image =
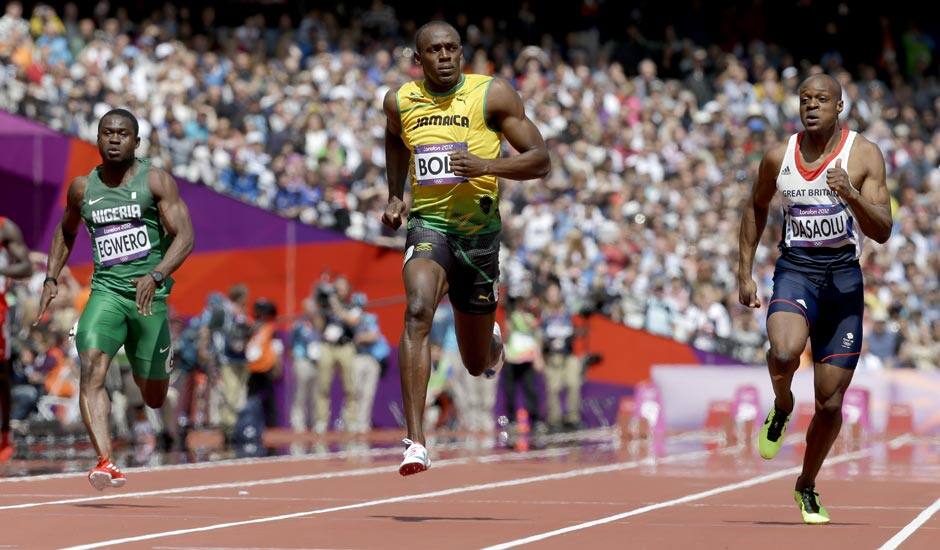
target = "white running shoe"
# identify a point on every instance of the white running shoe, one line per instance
(416, 458)
(498, 364)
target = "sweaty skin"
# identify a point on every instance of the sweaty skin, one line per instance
(117, 141)
(440, 54)
(861, 184)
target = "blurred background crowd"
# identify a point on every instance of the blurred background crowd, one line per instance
(656, 121)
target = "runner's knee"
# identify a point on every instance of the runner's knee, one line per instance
(830, 405)
(94, 369)
(477, 360)
(475, 363)
(784, 356)
(418, 315)
(154, 392)
(155, 400)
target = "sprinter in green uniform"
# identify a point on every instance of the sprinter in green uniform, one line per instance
(141, 233)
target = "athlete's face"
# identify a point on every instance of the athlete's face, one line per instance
(117, 139)
(820, 104)
(440, 55)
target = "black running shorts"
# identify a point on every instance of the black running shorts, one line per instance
(471, 263)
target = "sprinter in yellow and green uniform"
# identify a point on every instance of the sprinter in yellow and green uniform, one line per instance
(141, 232)
(444, 132)
(434, 125)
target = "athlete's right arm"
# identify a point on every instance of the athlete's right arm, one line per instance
(753, 221)
(396, 162)
(62, 241)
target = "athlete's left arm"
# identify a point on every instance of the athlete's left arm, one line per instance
(174, 216)
(16, 247)
(504, 110)
(870, 202)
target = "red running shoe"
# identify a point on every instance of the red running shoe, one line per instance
(7, 450)
(106, 474)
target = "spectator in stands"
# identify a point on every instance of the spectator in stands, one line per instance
(883, 341)
(12, 23)
(644, 141)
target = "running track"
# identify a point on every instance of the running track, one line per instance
(602, 494)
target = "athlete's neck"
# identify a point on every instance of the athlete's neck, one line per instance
(442, 89)
(819, 144)
(115, 173)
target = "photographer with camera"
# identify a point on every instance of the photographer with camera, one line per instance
(563, 369)
(337, 349)
(372, 354)
(306, 339)
(233, 371)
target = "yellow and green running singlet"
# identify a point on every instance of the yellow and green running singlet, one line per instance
(435, 125)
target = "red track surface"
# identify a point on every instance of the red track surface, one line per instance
(477, 500)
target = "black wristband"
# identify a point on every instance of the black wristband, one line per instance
(53, 279)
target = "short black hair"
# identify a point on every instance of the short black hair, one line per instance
(122, 113)
(428, 26)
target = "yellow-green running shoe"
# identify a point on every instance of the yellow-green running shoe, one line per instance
(770, 438)
(813, 512)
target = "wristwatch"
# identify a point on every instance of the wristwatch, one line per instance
(157, 277)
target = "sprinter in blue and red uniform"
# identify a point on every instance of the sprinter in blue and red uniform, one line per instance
(832, 182)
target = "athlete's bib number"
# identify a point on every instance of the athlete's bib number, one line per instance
(816, 226)
(432, 163)
(121, 243)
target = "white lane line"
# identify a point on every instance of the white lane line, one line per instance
(291, 479)
(847, 457)
(332, 455)
(225, 462)
(235, 548)
(607, 468)
(914, 525)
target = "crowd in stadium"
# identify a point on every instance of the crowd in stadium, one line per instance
(654, 143)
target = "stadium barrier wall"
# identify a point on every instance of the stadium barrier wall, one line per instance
(280, 259)
(687, 391)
